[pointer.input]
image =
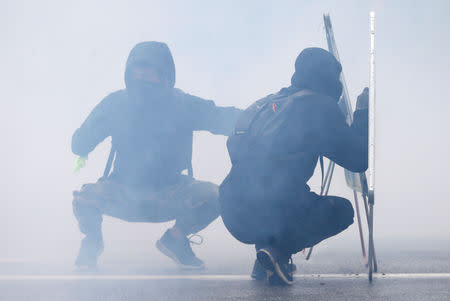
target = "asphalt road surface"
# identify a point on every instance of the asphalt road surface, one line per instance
(306, 287)
(423, 275)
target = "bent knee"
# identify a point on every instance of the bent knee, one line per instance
(80, 201)
(82, 206)
(344, 211)
(206, 194)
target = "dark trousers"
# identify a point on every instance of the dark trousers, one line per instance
(193, 204)
(288, 225)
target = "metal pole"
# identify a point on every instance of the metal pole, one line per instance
(361, 235)
(371, 182)
(327, 186)
(374, 256)
(327, 175)
(366, 208)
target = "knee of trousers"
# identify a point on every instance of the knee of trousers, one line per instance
(240, 221)
(202, 209)
(344, 210)
(207, 207)
(206, 195)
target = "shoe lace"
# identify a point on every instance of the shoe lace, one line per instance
(193, 241)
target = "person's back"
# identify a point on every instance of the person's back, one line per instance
(286, 140)
(274, 150)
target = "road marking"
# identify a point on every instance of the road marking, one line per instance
(216, 277)
(16, 260)
(378, 275)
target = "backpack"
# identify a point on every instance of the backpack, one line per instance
(257, 126)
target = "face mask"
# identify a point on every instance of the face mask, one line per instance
(142, 91)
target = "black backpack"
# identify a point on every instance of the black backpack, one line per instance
(254, 131)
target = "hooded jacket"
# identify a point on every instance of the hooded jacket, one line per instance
(152, 139)
(285, 140)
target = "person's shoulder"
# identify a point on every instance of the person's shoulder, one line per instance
(116, 96)
(316, 106)
(271, 97)
(283, 93)
(184, 98)
(114, 99)
(312, 98)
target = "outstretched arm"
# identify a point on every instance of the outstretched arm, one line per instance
(206, 116)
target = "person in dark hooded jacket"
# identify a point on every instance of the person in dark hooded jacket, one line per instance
(274, 149)
(151, 124)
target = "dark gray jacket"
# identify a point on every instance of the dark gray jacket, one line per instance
(278, 164)
(276, 155)
(153, 140)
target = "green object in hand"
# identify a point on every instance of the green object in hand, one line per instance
(80, 162)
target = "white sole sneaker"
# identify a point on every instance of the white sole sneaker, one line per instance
(166, 251)
(271, 265)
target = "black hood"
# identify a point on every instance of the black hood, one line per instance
(318, 70)
(156, 54)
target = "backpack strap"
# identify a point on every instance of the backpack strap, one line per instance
(248, 117)
(251, 114)
(302, 92)
(112, 155)
(321, 170)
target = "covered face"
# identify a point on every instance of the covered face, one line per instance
(150, 72)
(318, 70)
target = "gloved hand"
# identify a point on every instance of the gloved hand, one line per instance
(362, 103)
(80, 162)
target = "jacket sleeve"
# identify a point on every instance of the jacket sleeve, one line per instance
(204, 115)
(346, 145)
(94, 129)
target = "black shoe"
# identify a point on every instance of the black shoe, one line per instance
(90, 250)
(258, 272)
(180, 251)
(278, 270)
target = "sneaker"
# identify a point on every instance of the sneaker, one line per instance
(90, 250)
(277, 268)
(180, 251)
(259, 272)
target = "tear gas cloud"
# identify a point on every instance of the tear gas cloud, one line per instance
(59, 59)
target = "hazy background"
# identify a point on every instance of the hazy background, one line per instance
(60, 58)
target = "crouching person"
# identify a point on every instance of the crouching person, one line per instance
(151, 124)
(276, 144)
